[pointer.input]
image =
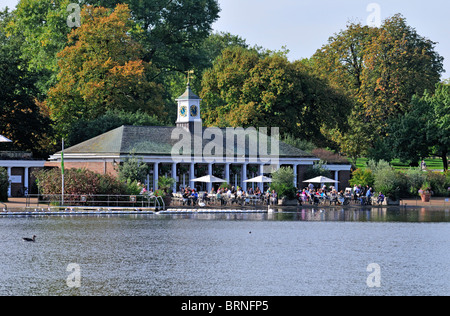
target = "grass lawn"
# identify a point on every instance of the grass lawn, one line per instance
(432, 164)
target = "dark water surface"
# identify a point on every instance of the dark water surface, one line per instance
(310, 252)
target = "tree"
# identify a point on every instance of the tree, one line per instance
(381, 69)
(172, 30)
(250, 88)
(102, 69)
(21, 119)
(83, 130)
(42, 27)
(425, 129)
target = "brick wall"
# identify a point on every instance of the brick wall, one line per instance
(97, 167)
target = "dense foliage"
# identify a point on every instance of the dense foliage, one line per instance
(283, 182)
(4, 185)
(78, 182)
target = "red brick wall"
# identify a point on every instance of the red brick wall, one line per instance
(98, 167)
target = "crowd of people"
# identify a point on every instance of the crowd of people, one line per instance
(310, 194)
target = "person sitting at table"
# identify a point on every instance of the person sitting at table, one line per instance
(257, 192)
(334, 197)
(194, 197)
(380, 199)
(219, 197)
(205, 197)
(186, 197)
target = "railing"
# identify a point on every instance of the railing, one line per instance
(76, 200)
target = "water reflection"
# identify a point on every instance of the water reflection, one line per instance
(365, 215)
(331, 214)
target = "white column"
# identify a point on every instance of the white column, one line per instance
(155, 176)
(191, 175)
(174, 175)
(210, 172)
(26, 176)
(227, 172)
(295, 167)
(244, 176)
(261, 173)
(9, 179)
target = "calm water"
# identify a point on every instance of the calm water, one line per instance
(303, 253)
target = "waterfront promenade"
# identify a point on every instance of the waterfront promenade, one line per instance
(436, 202)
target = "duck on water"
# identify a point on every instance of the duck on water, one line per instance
(30, 239)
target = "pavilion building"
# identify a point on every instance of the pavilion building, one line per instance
(190, 150)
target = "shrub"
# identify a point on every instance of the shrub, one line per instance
(78, 182)
(416, 178)
(392, 183)
(362, 177)
(283, 182)
(4, 185)
(437, 182)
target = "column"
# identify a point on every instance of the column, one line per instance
(26, 176)
(174, 175)
(155, 176)
(210, 172)
(261, 173)
(227, 172)
(9, 180)
(295, 167)
(191, 175)
(244, 176)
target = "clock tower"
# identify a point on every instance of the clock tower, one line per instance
(188, 110)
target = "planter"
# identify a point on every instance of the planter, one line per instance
(426, 197)
(392, 202)
(285, 202)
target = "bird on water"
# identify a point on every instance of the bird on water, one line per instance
(30, 239)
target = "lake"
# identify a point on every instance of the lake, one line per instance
(309, 252)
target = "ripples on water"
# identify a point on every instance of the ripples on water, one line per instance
(300, 253)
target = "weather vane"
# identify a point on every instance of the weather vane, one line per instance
(189, 72)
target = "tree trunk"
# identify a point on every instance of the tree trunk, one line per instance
(444, 160)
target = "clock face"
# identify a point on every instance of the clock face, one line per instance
(183, 111)
(194, 110)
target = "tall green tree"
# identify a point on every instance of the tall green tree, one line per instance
(250, 88)
(425, 129)
(21, 119)
(381, 69)
(42, 25)
(102, 69)
(173, 30)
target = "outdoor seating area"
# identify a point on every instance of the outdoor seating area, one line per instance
(203, 199)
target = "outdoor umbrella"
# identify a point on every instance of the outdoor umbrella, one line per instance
(3, 139)
(208, 179)
(321, 179)
(259, 179)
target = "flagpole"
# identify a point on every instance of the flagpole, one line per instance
(62, 173)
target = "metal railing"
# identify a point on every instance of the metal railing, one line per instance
(116, 201)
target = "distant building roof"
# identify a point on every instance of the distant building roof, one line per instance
(156, 140)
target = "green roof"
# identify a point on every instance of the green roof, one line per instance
(156, 140)
(188, 95)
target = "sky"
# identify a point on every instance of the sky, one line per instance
(303, 26)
